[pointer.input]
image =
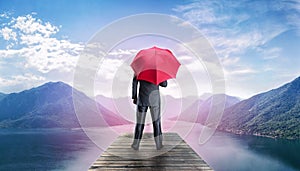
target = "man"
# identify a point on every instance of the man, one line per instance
(148, 97)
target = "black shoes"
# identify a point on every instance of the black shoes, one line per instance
(159, 147)
(135, 147)
(136, 143)
(158, 142)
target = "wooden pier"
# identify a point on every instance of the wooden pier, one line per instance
(175, 155)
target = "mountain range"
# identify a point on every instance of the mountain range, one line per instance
(199, 110)
(275, 113)
(51, 105)
(170, 106)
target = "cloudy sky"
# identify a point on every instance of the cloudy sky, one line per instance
(257, 42)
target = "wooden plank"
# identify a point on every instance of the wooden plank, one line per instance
(156, 168)
(114, 158)
(176, 155)
(149, 164)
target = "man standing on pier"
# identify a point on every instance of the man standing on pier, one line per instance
(152, 67)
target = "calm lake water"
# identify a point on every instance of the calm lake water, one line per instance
(45, 149)
(230, 152)
(60, 149)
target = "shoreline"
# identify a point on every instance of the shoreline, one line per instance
(239, 132)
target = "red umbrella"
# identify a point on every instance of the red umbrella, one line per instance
(155, 65)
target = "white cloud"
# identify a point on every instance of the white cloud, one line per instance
(235, 70)
(33, 47)
(293, 18)
(21, 79)
(8, 34)
(5, 15)
(109, 68)
(230, 46)
(240, 30)
(270, 53)
(242, 71)
(35, 40)
(115, 69)
(200, 13)
(232, 27)
(227, 61)
(30, 25)
(121, 52)
(113, 61)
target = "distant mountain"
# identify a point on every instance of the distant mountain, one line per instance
(171, 107)
(122, 107)
(2, 95)
(275, 113)
(51, 105)
(190, 114)
(200, 109)
(106, 102)
(205, 96)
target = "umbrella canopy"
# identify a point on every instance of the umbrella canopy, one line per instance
(155, 65)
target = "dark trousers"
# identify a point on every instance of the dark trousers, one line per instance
(140, 122)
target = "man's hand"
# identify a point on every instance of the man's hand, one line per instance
(134, 100)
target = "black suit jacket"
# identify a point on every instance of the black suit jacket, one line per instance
(148, 92)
